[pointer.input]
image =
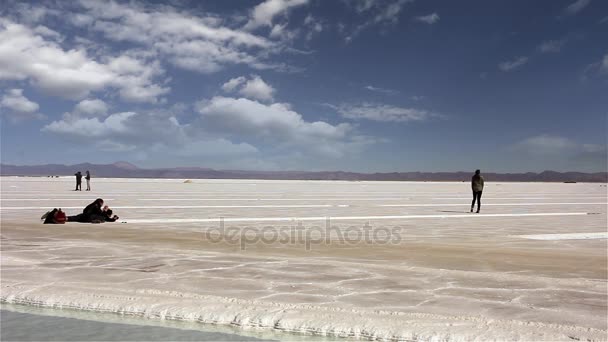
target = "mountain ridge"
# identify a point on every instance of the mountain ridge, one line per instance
(124, 169)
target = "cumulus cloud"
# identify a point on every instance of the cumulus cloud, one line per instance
(428, 19)
(18, 107)
(91, 107)
(14, 100)
(512, 65)
(72, 74)
(384, 113)
(254, 88)
(277, 124)
(576, 7)
(148, 133)
(264, 13)
(224, 127)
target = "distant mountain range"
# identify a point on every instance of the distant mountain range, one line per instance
(128, 170)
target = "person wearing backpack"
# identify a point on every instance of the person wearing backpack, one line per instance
(55, 216)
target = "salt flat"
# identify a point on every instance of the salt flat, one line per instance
(372, 260)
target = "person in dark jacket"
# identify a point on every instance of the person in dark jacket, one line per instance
(477, 187)
(78, 181)
(88, 178)
(93, 213)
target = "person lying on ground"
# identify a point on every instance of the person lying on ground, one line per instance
(93, 213)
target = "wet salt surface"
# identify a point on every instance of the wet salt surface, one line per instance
(25, 323)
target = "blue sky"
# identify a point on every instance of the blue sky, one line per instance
(358, 85)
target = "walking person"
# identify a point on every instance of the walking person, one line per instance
(78, 181)
(477, 187)
(88, 178)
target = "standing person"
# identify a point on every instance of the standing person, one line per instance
(477, 187)
(78, 181)
(88, 178)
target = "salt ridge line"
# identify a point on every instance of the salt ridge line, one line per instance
(339, 218)
(194, 206)
(566, 236)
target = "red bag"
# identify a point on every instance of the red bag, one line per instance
(60, 217)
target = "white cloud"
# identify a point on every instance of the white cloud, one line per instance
(384, 113)
(14, 100)
(428, 19)
(576, 6)
(264, 13)
(551, 45)
(225, 127)
(512, 65)
(72, 74)
(233, 83)
(197, 43)
(253, 88)
(113, 125)
(91, 107)
(276, 124)
(256, 88)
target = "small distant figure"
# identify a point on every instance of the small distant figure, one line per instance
(477, 187)
(88, 178)
(78, 181)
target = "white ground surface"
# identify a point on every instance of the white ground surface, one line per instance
(531, 266)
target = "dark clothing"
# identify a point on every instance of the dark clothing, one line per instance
(88, 176)
(93, 209)
(78, 181)
(91, 213)
(476, 196)
(477, 183)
